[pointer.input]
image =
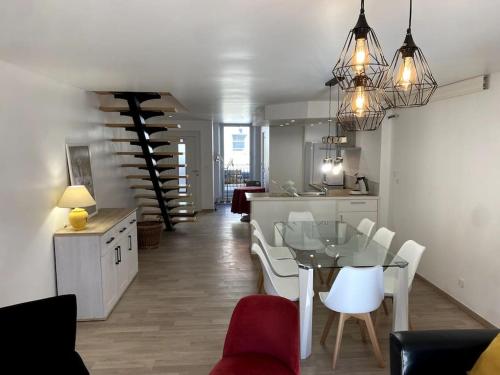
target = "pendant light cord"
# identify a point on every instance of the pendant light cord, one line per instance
(409, 21)
(337, 122)
(330, 122)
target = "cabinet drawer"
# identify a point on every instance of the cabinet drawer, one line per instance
(355, 205)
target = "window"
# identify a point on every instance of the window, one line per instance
(239, 142)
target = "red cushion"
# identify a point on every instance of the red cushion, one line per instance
(250, 364)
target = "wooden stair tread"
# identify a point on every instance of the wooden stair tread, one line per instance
(164, 187)
(183, 219)
(183, 213)
(157, 153)
(155, 140)
(145, 108)
(171, 196)
(159, 165)
(174, 204)
(162, 177)
(161, 93)
(166, 126)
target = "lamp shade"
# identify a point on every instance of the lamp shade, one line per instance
(76, 196)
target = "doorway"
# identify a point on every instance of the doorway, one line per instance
(236, 155)
(190, 150)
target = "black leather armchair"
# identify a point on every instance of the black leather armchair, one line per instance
(450, 352)
(38, 337)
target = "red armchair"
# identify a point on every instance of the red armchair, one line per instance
(262, 338)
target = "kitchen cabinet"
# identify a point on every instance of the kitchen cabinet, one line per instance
(98, 263)
(352, 211)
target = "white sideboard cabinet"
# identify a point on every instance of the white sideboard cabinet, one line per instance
(97, 263)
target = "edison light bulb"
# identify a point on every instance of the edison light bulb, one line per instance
(359, 101)
(361, 55)
(327, 165)
(337, 168)
(407, 74)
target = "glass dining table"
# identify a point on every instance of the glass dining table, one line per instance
(333, 245)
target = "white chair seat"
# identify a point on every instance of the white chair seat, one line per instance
(285, 267)
(280, 252)
(322, 296)
(288, 288)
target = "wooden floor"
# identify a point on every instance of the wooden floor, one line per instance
(174, 316)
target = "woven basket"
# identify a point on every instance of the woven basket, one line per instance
(149, 234)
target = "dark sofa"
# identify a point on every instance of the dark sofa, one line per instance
(38, 337)
(444, 352)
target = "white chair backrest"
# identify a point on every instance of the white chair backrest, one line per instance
(269, 286)
(366, 226)
(383, 237)
(356, 290)
(300, 216)
(278, 234)
(412, 252)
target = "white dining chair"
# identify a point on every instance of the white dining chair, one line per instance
(412, 252)
(365, 227)
(355, 293)
(277, 285)
(277, 252)
(383, 237)
(306, 235)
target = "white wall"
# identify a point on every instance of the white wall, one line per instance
(37, 117)
(369, 158)
(445, 194)
(286, 148)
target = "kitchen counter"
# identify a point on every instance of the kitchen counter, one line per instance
(331, 194)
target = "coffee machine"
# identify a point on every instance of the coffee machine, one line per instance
(362, 184)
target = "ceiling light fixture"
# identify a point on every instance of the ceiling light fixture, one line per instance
(410, 82)
(361, 55)
(361, 108)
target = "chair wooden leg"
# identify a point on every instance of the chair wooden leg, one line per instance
(362, 330)
(328, 326)
(320, 276)
(342, 319)
(410, 323)
(260, 282)
(384, 305)
(329, 279)
(373, 338)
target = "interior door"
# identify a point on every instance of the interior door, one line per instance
(193, 168)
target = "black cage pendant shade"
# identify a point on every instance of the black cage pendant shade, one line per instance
(410, 82)
(361, 55)
(361, 109)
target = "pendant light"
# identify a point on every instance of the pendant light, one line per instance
(327, 165)
(410, 82)
(361, 55)
(361, 108)
(338, 162)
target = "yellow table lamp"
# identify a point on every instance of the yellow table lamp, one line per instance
(75, 197)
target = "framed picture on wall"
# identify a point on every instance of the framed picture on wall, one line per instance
(80, 169)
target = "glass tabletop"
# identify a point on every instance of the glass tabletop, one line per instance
(334, 244)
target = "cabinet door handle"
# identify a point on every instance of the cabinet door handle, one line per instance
(358, 202)
(117, 259)
(129, 242)
(132, 222)
(110, 240)
(120, 254)
(123, 230)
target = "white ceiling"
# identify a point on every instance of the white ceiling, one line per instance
(226, 57)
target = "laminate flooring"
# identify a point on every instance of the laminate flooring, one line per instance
(174, 316)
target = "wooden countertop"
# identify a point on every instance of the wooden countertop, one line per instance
(105, 219)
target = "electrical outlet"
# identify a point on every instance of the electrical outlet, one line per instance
(461, 282)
